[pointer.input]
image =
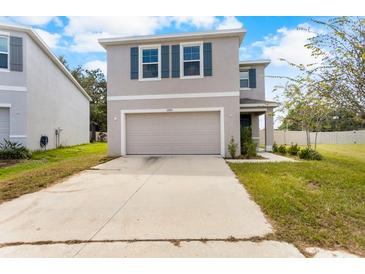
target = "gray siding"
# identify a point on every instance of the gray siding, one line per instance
(259, 91)
(255, 127)
(230, 105)
(225, 74)
(225, 78)
(18, 114)
(53, 101)
(15, 78)
(9, 81)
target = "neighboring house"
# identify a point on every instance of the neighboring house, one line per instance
(37, 93)
(183, 93)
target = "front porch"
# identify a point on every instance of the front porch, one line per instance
(250, 112)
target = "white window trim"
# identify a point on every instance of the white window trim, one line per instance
(8, 53)
(123, 120)
(17, 136)
(189, 44)
(140, 63)
(12, 88)
(248, 80)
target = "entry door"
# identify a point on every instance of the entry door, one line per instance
(245, 120)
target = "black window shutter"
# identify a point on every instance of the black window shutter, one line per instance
(252, 78)
(16, 53)
(134, 63)
(207, 52)
(175, 61)
(165, 61)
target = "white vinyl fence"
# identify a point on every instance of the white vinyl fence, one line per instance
(299, 137)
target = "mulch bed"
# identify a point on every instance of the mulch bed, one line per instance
(243, 157)
(5, 163)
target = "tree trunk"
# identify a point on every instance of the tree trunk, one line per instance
(307, 132)
(315, 140)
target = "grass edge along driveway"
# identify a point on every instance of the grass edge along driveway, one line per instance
(313, 203)
(48, 167)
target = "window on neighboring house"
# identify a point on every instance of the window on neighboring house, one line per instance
(150, 63)
(192, 63)
(4, 52)
(244, 83)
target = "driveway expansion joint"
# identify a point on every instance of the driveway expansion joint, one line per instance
(176, 242)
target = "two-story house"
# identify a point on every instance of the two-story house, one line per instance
(183, 93)
(38, 95)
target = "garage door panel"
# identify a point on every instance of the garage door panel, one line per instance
(4, 124)
(173, 133)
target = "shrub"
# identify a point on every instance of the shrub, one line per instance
(248, 147)
(282, 149)
(246, 136)
(250, 150)
(293, 149)
(309, 154)
(232, 148)
(275, 147)
(13, 150)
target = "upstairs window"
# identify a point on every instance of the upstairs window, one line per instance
(4, 52)
(191, 60)
(150, 63)
(244, 79)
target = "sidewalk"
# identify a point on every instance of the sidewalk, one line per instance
(269, 158)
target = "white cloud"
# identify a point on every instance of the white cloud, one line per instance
(96, 64)
(199, 22)
(58, 22)
(51, 39)
(88, 42)
(33, 20)
(124, 26)
(288, 44)
(244, 53)
(230, 22)
(85, 31)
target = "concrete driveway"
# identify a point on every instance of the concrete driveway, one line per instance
(181, 206)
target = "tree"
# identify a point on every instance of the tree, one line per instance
(94, 83)
(303, 104)
(63, 61)
(341, 72)
(338, 119)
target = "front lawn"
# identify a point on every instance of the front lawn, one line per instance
(48, 167)
(313, 203)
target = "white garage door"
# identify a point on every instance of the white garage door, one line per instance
(173, 133)
(4, 124)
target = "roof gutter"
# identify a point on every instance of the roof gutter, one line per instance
(265, 62)
(271, 104)
(105, 42)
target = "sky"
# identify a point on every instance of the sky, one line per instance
(272, 37)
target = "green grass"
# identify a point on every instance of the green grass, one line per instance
(313, 203)
(48, 167)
